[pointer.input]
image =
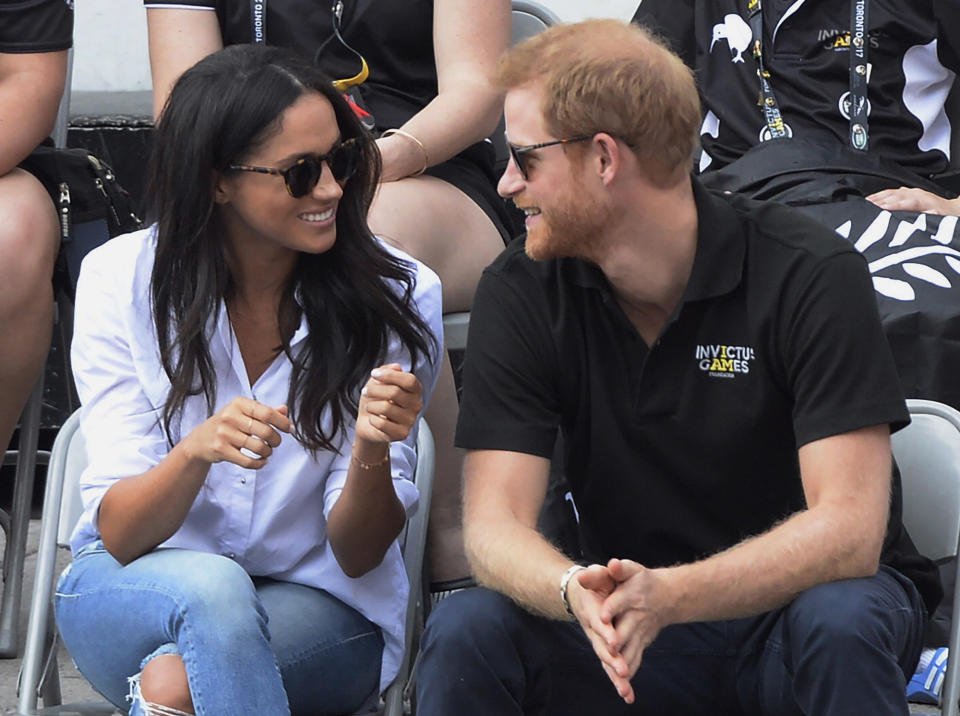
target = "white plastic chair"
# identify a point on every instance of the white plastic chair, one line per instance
(39, 675)
(928, 453)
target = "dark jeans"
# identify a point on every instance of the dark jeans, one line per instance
(844, 647)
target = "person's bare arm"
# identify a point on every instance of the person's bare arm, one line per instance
(468, 39)
(368, 515)
(139, 512)
(178, 39)
(503, 494)
(846, 481)
(31, 85)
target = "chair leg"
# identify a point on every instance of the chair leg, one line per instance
(49, 689)
(19, 523)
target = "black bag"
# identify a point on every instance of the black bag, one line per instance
(91, 204)
(812, 170)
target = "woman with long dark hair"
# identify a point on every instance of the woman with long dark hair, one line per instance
(422, 71)
(251, 370)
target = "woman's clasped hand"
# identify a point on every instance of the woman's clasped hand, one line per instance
(244, 433)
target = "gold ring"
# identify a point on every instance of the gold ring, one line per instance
(249, 424)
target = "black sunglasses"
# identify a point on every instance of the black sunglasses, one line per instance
(518, 152)
(303, 176)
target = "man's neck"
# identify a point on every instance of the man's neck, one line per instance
(648, 255)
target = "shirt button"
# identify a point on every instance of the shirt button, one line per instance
(243, 481)
(230, 555)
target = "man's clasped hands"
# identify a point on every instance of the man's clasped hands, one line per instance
(622, 607)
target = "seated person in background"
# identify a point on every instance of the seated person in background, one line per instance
(251, 370)
(857, 89)
(430, 64)
(33, 66)
(726, 397)
(872, 77)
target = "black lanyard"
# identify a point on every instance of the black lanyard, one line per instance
(258, 21)
(859, 42)
(768, 100)
(859, 124)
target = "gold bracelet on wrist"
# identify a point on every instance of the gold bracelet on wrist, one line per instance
(423, 150)
(370, 465)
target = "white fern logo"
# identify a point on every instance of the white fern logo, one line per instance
(888, 271)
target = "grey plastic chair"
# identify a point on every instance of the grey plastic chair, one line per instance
(39, 675)
(928, 453)
(530, 18)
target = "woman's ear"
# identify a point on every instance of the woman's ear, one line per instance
(221, 188)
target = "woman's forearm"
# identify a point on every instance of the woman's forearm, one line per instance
(140, 512)
(368, 515)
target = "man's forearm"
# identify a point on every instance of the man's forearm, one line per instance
(768, 571)
(516, 560)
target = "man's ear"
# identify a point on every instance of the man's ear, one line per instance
(608, 156)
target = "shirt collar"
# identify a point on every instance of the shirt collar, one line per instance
(721, 247)
(717, 264)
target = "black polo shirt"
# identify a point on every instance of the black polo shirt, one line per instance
(681, 450)
(35, 25)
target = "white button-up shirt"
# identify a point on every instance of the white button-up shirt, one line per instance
(272, 521)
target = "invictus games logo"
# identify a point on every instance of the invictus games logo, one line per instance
(724, 361)
(766, 135)
(841, 40)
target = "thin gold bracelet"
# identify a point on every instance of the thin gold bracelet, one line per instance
(423, 149)
(370, 465)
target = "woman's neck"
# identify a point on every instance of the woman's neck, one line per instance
(260, 275)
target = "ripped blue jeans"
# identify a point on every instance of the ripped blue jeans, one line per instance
(249, 645)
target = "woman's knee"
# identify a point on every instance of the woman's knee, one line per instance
(164, 681)
(213, 585)
(29, 233)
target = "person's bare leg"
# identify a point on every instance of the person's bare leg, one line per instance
(164, 682)
(29, 239)
(440, 225)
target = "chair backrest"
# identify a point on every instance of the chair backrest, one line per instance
(67, 463)
(928, 453)
(529, 19)
(414, 544)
